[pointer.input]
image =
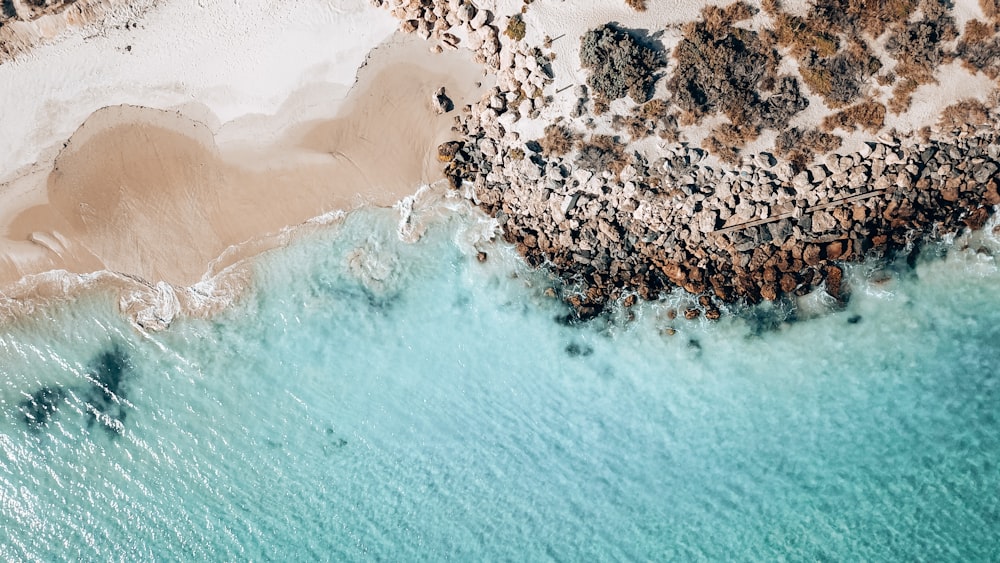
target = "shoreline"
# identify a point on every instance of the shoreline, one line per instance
(174, 208)
(622, 198)
(676, 186)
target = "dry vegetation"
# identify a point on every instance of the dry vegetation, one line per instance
(902, 94)
(516, 28)
(991, 9)
(603, 152)
(558, 140)
(726, 69)
(979, 48)
(868, 115)
(964, 112)
(637, 5)
(653, 117)
(803, 37)
(801, 146)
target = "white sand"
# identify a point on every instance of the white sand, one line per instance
(271, 131)
(234, 59)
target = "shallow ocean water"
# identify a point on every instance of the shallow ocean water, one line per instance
(380, 399)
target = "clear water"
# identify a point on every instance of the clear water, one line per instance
(380, 399)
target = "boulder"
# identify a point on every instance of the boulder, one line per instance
(823, 222)
(447, 151)
(442, 103)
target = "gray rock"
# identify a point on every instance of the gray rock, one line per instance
(983, 173)
(823, 222)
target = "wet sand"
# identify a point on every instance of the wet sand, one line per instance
(152, 195)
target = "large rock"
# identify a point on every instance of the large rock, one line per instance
(442, 103)
(823, 222)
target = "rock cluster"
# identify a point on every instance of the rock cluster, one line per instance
(748, 233)
(672, 218)
(437, 19)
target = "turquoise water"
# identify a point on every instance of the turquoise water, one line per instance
(380, 399)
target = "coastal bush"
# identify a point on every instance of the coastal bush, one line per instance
(979, 48)
(730, 70)
(902, 94)
(800, 146)
(637, 5)
(558, 140)
(919, 45)
(964, 112)
(868, 115)
(603, 152)
(838, 79)
(856, 17)
(516, 28)
(618, 64)
(991, 9)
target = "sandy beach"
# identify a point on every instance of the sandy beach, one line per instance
(177, 194)
(166, 149)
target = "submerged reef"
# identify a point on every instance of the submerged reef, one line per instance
(102, 399)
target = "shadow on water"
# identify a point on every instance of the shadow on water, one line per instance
(104, 399)
(37, 409)
(576, 350)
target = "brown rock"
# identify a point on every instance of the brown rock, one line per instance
(712, 314)
(991, 197)
(769, 291)
(447, 151)
(834, 276)
(811, 255)
(481, 256)
(977, 218)
(834, 250)
(694, 287)
(720, 287)
(691, 313)
(675, 273)
(788, 283)
(949, 192)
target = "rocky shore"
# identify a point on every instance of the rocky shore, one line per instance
(624, 220)
(748, 233)
(620, 221)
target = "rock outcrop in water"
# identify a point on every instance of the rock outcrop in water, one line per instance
(616, 217)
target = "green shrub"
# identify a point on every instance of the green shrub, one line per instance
(515, 28)
(618, 64)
